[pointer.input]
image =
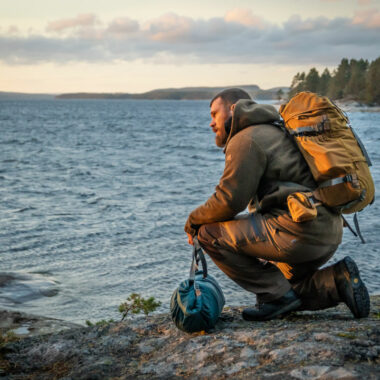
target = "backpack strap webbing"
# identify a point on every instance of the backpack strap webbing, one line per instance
(356, 223)
(312, 129)
(361, 145)
(336, 181)
(197, 256)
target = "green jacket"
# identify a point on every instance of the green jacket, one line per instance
(262, 167)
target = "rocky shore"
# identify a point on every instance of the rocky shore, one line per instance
(327, 344)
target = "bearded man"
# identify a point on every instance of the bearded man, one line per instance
(265, 251)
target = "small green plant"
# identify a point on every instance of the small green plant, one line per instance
(137, 304)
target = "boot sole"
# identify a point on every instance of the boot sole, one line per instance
(285, 310)
(361, 306)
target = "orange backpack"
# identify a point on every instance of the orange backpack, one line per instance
(335, 155)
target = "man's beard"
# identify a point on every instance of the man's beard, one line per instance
(220, 141)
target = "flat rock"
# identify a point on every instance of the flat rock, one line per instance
(323, 345)
(22, 324)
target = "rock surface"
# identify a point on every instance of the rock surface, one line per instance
(22, 325)
(326, 345)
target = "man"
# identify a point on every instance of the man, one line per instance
(265, 252)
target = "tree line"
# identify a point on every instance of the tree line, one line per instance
(353, 79)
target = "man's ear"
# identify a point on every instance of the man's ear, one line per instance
(233, 107)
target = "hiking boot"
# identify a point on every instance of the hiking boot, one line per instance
(351, 288)
(265, 311)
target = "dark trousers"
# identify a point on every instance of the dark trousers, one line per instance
(245, 250)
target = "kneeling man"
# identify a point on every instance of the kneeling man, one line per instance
(265, 252)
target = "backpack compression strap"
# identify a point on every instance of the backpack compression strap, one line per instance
(311, 129)
(353, 178)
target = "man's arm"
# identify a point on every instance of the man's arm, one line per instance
(244, 166)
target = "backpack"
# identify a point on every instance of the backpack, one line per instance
(335, 155)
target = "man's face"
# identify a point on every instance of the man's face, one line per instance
(220, 112)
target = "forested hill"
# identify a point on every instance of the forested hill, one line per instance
(185, 93)
(352, 80)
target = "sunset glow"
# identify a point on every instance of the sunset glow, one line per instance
(124, 46)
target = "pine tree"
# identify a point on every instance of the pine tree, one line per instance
(312, 80)
(298, 84)
(372, 94)
(340, 80)
(355, 88)
(355, 79)
(324, 82)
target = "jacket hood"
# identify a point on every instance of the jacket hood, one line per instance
(248, 113)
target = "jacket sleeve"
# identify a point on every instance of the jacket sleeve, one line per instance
(245, 163)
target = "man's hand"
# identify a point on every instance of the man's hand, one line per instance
(190, 239)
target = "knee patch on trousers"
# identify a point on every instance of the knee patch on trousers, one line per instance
(208, 235)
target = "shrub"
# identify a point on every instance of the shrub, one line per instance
(137, 304)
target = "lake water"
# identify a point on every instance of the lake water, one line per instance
(94, 196)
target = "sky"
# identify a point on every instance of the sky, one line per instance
(60, 46)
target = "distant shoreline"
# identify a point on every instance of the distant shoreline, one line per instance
(184, 93)
(187, 93)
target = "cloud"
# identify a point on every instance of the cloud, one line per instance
(173, 29)
(296, 25)
(238, 37)
(122, 26)
(37, 49)
(364, 2)
(244, 17)
(169, 27)
(82, 20)
(369, 18)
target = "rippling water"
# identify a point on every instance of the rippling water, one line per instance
(94, 196)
